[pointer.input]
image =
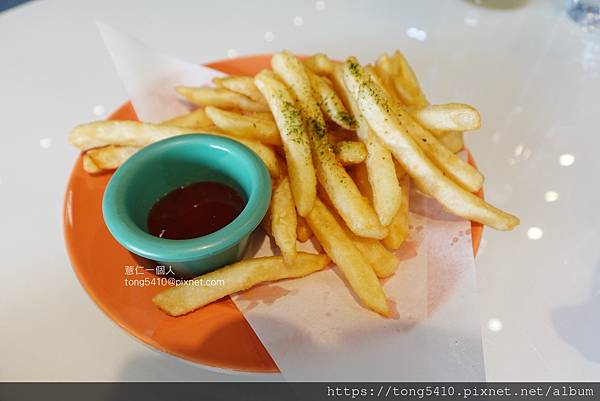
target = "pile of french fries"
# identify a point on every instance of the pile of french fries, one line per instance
(343, 144)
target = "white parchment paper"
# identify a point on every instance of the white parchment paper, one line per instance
(313, 327)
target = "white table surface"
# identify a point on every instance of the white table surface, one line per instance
(533, 74)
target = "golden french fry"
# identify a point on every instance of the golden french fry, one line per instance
(389, 125)
(177, 301)
(383, 262)
(137, 134)
(295, 140)
(347, 257)
(89, 166)
(244, 126)
(456, 168)
(109, 157)
(387, 70)
(398, 228)
(265, 115)
(319, 64)
(448, 117)
(406, 83)
(266, 154)
(384, 71)
(390, 72)
(219, 97)
(379, 163)
(329, 101)
(266, 222)
(193, 119)
(303, 231)
(461, 171)
(361, 178)
(342, 191)
(121, 133)
(283, 220)
(350, 152)
(242, 85)
(452, 140)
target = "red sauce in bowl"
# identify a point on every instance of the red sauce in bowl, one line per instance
(194, 210)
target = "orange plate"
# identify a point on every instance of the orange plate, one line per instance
(217, 335)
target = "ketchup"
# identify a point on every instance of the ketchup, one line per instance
(194, 210)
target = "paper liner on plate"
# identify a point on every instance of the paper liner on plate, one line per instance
(314, 328)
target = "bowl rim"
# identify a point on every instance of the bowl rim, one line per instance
(133, 238)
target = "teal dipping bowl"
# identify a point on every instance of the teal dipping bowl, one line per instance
(166, 165)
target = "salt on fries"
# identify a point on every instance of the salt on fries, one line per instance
(392, 125)
(295, 140)
(347, 186)
(351, 205)
(379, 163)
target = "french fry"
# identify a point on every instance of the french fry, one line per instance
(351, 205)
(319, 64)
(303, 231)
(193, 119)
(89, 166)
(245, 126)
(109, 157)
(376, 107)
(266, 154)
(350, 152)
(265, 115)
(344, 253)
(242, 85)
(177, 301)
(461, 171)
(137, 134)
(361, 178)
(330, 103)
(448, 117)
(458, 169)
(283, 221)
(379, 163)
(219, 97)
(383, 262)
(398, 228)
(267, 222)
(384, 71)
(121, 133)
(296, 145)
(452, 140)
(406, 83)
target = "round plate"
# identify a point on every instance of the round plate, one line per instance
(216, 336)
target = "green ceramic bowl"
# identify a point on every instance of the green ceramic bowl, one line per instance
(171, 163)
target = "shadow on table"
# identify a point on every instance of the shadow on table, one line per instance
(579, 325)
(448, 355)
